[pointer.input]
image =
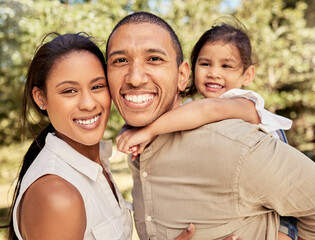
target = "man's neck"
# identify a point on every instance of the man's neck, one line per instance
(176, 103)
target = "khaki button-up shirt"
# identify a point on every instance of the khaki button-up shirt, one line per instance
(225, 177)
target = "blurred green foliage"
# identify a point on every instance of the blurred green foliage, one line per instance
(282, 33)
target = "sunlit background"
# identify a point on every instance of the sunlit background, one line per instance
(283, 39)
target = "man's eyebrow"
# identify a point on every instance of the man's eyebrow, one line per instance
(118, 52)
(157, 50)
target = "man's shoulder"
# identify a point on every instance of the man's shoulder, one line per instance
(232, 130)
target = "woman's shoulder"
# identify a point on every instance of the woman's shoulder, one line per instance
(53, 189)
(52, 203)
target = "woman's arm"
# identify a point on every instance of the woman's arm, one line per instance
(52, 208)
(188, 116)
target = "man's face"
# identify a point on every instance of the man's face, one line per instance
(142, 72)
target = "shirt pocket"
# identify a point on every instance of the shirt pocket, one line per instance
(111, 229)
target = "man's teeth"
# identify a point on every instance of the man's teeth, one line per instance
(214, 85)
(88, 121)
(139, 98)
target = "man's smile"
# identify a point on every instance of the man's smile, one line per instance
(138, 98)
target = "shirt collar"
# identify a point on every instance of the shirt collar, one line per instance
(76, 160)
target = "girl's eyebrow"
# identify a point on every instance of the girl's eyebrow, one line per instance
(203, 59)
(229, 59)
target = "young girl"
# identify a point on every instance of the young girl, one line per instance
(221, 65)
(65, 189)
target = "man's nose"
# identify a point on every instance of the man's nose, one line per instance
(137, 75)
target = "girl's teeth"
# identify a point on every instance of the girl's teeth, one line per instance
(89, 121)
(214, 86)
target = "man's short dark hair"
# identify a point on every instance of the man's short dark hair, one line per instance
(146, 17)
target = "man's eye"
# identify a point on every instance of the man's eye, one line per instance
(120, 60)
(153, 59)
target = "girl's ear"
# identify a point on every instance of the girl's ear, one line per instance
(39, 98)
(183, 76)
(249, 76)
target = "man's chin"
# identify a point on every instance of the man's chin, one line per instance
(138, 122)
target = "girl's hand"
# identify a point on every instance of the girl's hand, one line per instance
(133, 141)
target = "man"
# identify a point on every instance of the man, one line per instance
(226, 177)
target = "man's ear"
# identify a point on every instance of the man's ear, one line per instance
(39, 98)
(249, 75)
(183, 77)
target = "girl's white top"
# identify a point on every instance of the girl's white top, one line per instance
(106, 218)
(270, 122)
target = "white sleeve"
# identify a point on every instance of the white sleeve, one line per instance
(270, 122)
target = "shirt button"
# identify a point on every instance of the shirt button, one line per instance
(149, 218)
(144, 174)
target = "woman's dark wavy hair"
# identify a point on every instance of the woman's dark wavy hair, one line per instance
(235, 33)
(47, 55)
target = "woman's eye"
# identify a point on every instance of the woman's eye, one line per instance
(98, 87)
(68, 91)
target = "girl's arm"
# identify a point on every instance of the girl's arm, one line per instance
(185, 117)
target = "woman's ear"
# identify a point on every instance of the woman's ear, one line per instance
(39, 98)
(249, 76)
(183, 77)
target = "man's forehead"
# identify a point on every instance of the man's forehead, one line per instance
(140, 32)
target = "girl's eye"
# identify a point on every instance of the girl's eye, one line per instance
(226, 66)
(204, 64)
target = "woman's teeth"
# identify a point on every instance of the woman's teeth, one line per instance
(88, 121)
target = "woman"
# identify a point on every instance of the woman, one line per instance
(65, 189)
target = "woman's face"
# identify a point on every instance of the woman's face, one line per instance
(78, 100)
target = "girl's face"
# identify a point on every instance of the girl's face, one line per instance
(77, 100)
(219, 68)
